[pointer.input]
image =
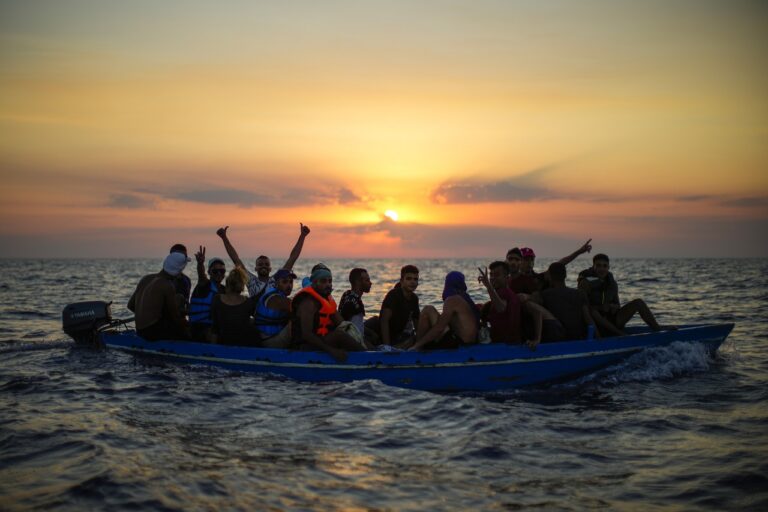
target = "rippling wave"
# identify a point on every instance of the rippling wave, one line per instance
(669, 428)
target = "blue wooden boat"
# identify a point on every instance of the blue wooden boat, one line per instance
(473, 368)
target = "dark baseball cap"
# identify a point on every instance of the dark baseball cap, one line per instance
(284, 273)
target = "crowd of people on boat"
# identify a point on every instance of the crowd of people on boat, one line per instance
(247, 308)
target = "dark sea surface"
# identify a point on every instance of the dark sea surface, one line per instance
(670, 429)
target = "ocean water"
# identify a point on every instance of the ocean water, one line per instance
(669, 429)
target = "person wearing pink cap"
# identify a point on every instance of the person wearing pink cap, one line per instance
(529, 259)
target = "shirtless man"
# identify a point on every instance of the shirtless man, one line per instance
(602, 290)
(261, 280)
(155, 306)
(457, 325)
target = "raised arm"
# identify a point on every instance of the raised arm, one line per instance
(587, 247)
(497, 302)
(296, 251)
(231, 252)
(200, 257)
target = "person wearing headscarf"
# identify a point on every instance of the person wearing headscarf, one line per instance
(457, 325)
(154, 302)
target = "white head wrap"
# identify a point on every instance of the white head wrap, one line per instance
(174, 263)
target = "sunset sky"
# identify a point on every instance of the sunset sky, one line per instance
(128, 126)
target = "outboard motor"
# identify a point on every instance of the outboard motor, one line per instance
(82, 320)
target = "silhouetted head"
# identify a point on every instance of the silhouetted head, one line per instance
(498, 274)
(557, 272)
(284, 281)
(529, 259)
(179, 248)
(322, 281)
(359, 279)
(263, 267)
(601, 264)
(236, 280)
(216, 270)
(409, 278)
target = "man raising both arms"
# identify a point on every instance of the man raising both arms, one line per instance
(261, 280)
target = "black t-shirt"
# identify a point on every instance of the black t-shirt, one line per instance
(233, 324)
(567, 306)
(351, 304)
(402, 310)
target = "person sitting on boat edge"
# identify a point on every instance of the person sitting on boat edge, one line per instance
(316, 317)
(273, 311)
(261, 280)
(182, 283)
(351, 305)
(155, 305)
(456, 326)
(602, 291)
(399, 314)
(202, 296)
(231, 313)
(503, 311)
(568, 305)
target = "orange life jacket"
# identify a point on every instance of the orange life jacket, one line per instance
(327, 310)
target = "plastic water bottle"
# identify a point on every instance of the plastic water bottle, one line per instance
(590, 332)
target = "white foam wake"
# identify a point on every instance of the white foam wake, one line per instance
(657, 363)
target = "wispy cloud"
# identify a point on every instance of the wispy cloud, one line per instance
(132, 201)
(530, 187)
(747, 202)
(524, 187)
(243, 198)
(346, 196)
(426, 239)
(281, 196)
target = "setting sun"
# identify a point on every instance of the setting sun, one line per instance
(391, 214)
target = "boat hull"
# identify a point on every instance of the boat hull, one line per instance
(472, 368)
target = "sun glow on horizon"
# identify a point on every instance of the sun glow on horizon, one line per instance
(392, 214)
